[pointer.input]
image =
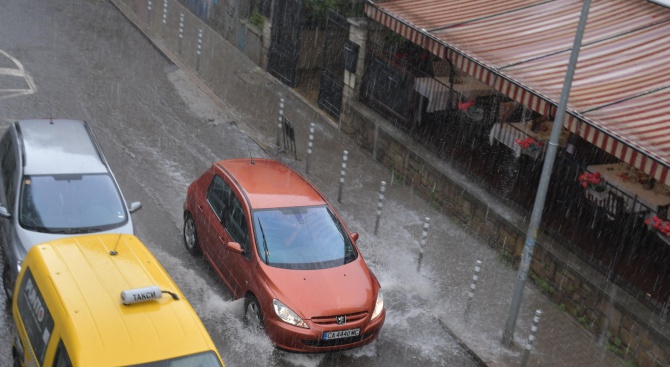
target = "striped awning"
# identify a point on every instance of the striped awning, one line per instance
(619, 98)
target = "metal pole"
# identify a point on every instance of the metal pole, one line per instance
(310, 143)
(380, 205)
(198, 51)
(181, 30)
(165, 12)
(343, 172)
(280, 122)
(471, 293)
(540, 197)
(422, 244)
(531, 338)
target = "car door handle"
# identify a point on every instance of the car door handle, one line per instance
(199, 207)
(222, 240)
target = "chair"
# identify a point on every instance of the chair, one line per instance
(613, 206)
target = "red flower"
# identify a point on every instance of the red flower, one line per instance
(592, 180)
(528, 143)
(658, 224)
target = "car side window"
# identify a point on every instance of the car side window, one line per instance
(218, 196)
(62, 359)
(8, 169)
(237, 225)
(35, 315)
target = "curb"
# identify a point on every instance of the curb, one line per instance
(462, 344)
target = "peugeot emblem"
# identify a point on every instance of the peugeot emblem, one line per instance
(341, 319)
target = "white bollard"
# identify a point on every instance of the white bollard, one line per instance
(471, 293)
(343, 172)
(424, 237)
(165, 13)
(380, 205)
(198, 51)
(531, 337)
(280, 122)
(181, 30)
(309, 146)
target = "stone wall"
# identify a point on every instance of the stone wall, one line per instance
(633, 333)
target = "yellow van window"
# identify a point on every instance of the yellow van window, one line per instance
(205, 359)
(35, 316)
(62, 359)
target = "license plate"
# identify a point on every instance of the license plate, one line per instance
(341, 334)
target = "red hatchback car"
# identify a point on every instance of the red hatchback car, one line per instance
(276, 241)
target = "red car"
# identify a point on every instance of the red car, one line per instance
(274, 239)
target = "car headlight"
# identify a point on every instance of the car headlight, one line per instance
(287, 315)
(379, 305)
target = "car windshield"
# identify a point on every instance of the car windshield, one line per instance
(301, 238)
(206, 359)
(70, 204)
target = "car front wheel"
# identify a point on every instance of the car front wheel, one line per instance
(253, 315)
(191, 236)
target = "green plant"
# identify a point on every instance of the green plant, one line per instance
(257, 19)
(316, 11)
(615, 346)
(562, 307)
(398, 176)
(542, 283)
(506, 257)
(582, 320)
(630, 363)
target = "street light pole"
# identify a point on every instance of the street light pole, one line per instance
(540, 197)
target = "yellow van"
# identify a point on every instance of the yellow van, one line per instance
(104, 300)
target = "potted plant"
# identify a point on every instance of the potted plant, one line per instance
(529, 143)
(660, 226)
(594, 183)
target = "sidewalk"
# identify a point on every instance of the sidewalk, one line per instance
(252, 96)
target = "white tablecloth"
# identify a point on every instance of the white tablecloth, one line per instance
(507, 133)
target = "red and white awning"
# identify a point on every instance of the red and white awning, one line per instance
(619, 96)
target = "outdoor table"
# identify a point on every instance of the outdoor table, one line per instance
(642, 199)
(508, 132)
(436, 90)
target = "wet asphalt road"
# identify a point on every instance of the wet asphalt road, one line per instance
(159, 132)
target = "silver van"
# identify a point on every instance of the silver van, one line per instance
(55, 183)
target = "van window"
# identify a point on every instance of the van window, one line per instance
(206, 359)
(62, 359)
(35, 316)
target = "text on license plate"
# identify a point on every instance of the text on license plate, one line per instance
(341, 334)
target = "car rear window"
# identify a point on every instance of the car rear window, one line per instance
(70, 204)
(302, 238)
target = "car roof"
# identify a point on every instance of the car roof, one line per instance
(59, 146)
(89, 281)
(268, 183)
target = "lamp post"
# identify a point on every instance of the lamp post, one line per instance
(540, 197)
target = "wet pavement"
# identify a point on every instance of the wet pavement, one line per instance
(240, 87)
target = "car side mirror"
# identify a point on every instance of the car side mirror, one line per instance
(354, 236)
(235, 247)
(4, 213)
(135, 206)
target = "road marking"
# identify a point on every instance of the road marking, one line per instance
(19, 72)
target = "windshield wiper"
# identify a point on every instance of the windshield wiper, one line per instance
(265, 244)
